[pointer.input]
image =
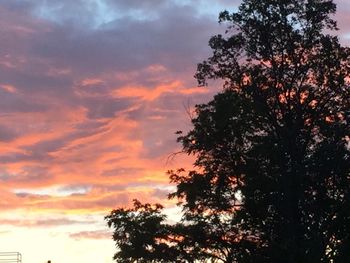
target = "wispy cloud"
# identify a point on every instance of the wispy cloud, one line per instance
(91, 93)
(97, 234)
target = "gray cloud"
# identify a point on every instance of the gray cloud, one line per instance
(6, 133)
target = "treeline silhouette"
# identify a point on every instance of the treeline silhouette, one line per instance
(271, 181)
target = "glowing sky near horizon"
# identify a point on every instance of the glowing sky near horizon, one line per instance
(91, 94)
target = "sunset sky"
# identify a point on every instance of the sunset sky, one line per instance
(91, 95)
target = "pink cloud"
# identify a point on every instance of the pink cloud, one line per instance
(97, 234)
(8, 88)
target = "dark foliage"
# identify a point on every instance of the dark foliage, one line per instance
(272, 177)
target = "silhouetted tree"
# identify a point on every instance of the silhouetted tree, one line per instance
(142, 235)
(272, 177)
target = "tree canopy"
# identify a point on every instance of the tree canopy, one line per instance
(272, 173)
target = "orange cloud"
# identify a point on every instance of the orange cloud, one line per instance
(194, 90)
(8, 88)
(145, 93)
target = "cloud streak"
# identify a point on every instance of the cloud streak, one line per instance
(91, 95)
